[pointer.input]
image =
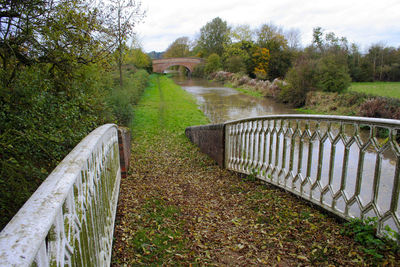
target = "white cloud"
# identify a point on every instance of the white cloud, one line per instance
(362, 21)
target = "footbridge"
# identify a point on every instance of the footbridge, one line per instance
(160, 65)
(348, 166)
(341, 164)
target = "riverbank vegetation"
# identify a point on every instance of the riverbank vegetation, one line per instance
(177, 207)
(326, 68)
(59, 80)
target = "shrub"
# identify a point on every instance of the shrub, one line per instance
(213, 64)
(122, 100)
(352, 98)
(198, 71)
(381, 107)
(235, 64)
(243, 80)
(41, 120)
(121, 105)
(264, 87)
(347, 103)
(136, 85)
(275, 88)
(40, 123)
(327, 73)
(221, 76)
(301, 79)
(252, 83)
(333, 75)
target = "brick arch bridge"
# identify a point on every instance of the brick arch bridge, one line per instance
(160, 65)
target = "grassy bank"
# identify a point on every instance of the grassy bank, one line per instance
(177, 207)
(388, 89)
(375, 99)
(244, 90)
(165, 107)
(354, 103)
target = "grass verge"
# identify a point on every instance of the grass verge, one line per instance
(149, 225)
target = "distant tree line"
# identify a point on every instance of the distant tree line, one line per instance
(330, 63)
(269, 52)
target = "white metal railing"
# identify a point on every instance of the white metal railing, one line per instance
(69, 220)
(347, 165)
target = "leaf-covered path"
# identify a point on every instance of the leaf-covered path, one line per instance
(177, 207)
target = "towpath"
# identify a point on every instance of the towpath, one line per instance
(177, 207)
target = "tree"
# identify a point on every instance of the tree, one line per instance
(242, 33)
(235, 64)
(60, 33)
(261, 59)
(354, 61)
(333, 74)
(237, 57)
(121, 18)
(213, 36)
(302, 78)
(293, 38)
(317, 38)
(179, 48)
(329, 43)
(213, 63)
(384, 62)
(52, 94)
(271, 37)
(138, 58)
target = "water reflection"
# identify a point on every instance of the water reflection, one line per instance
(221, 104)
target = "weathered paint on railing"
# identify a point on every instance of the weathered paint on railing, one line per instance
(69, 220)
(339, 163)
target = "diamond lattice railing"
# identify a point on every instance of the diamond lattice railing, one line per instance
(347, 165)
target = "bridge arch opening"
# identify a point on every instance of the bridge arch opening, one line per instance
(178, 68)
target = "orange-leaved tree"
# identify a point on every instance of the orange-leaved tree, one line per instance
(261, 59)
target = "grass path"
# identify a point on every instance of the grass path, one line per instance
(177, 207)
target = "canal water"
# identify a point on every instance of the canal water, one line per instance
(222, 104)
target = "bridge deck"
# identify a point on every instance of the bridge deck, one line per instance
(179, 207)
(160, 65)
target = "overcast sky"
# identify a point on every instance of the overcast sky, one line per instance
(363, 22)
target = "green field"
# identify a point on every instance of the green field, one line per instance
(389, 89)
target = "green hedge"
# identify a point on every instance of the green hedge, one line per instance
(42, 119)
(122, 100)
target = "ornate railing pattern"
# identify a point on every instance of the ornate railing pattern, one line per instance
(69, 220)
(339, 163)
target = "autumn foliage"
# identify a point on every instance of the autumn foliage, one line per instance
(261, 59)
